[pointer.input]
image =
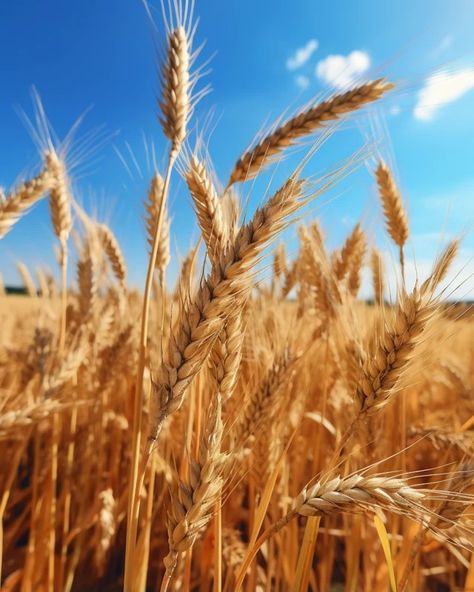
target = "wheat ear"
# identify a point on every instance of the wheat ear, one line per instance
(59, 197)
(262, 403)
(175, 103)
(350, 248)
(441, 267)
(226, 354)
(27, 194)
(153, 206)
(394, 211)
(207, 206)
(355, 265)
(112, 250)
(253, 161)
(376, 265)
(202, 317)
(26, 279)
(86, 280)
(351, 494)
(192, 506)
(393, 350)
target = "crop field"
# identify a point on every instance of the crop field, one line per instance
(256, 425)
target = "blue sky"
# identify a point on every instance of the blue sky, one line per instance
(267, 56)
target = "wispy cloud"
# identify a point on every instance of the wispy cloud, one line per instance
(440, 89)
(302, 81)
(445, 43)
(458, 284)
(395, 110)
(302, 55)
(342, 71)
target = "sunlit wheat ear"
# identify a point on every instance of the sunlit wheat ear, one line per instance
(59, 196)
(223, 291)
(378, 280)
(87, 282)
(354, 494)
(178, 79)
(315, 272)
(441, 267)
(16, 203)
(207, 206)
(26, 278)
(394, 211)
(112, 250)
(290, 279)
(2, 286)
(43, 283)
(152, 206)
(231, 211)
(255, 159)
(450, 510)
(262, 404)
(351, 246)
(107, 528)
(393, 350)
(226, 355)
(356, 263)
(357, 492)
(185, 281)
(193, 505)
(279, 261)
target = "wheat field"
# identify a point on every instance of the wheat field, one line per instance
(257, 425)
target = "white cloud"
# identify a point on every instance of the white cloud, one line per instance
(342, 71)
(302, 55)
(302, 81)
(442, 88)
